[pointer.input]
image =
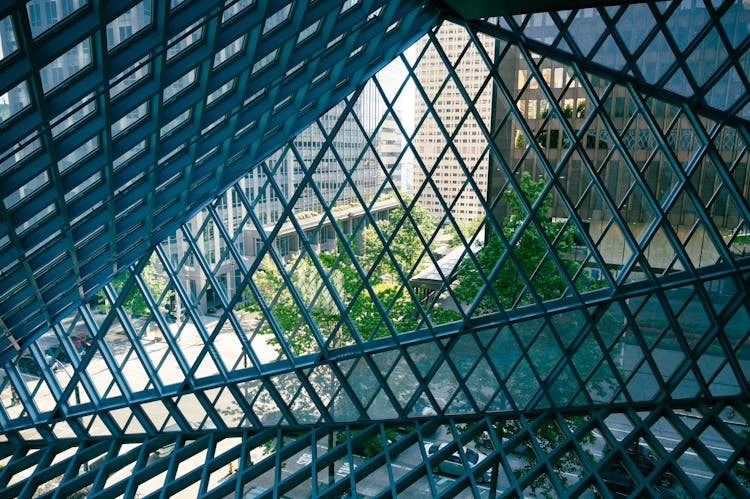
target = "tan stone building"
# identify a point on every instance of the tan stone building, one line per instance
(436, 158)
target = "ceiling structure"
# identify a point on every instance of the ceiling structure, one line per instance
(647, 379)
(258, 82)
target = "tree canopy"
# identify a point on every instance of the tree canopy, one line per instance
(530, 251)
(363, 303)
(135, 303)
(406, 245)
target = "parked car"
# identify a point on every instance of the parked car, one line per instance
(619, 482)
(27, 365)
(80, 341)
(453, 465)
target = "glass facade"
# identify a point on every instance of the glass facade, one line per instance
(372, 249)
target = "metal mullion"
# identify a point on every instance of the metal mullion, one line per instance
(240, 263)
(660, 213)
(337, 229)
(160, 13)
(388, 175)
(689, 190)
(724, 172)
(248, 473)
(251, 138)
(552, 173)
(531, 218)
(161, 323)
(207, 338)
(720, 320)
(102, 101)
(127, 327)
(713, 333)
(325, 275)
(633, 327)
(36, 97)
(253, 38)
(410, 144)
(287, 275)
(116, 373)
(101, 478)
(684, 432)
(614, 207)
(105, 352)
(41, 470)
(287, 53)
(374, 369)
(265, 248)
(377, 350)
(312, 392)
(247, 282)
(526, 432)
(572, 441)
(179, 289)
(392, 236)
(710, 152)
(734, 440)
(287, 213)
(732, 61)
(570, 206)
(99, 332)
(290, 286)
(234, 389)
(471, 111)
(203, 79)
(184, 452)
(558, 367)
(266, 374)
(522, 122)
(631, 57)
(459, 437)
(486, 288)
(548, 456)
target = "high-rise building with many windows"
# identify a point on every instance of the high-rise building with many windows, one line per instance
(443, 119)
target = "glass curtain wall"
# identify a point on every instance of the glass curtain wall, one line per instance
(490, 270)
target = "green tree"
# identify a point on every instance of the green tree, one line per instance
(285, 310)
(383, 287)
(530, 251)
(406, 245)
(134, 303)
(467, 227)
(549, 437)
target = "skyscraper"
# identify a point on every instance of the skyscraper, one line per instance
(451, 128)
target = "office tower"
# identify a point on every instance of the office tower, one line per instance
(454, 126)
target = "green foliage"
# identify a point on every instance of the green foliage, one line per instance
(370, 447)
(742, 470)
(307, 281)
(530, 251)
(467, 227)
(520, 141)
(383, 289)
(406, 245)
(134, 303)
(581, 109)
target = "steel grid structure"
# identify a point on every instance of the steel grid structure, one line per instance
(590, 337)
(168, 112)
